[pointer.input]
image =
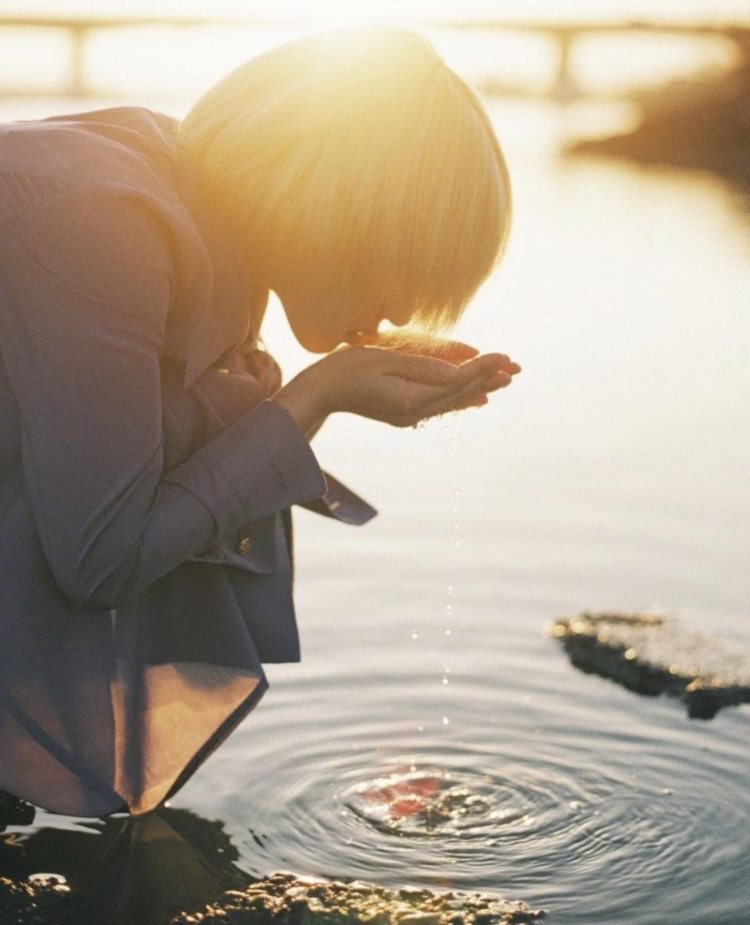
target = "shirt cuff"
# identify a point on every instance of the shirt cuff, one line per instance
(341, 503)
(258, 466)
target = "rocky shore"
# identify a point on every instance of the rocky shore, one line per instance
(284, 899)
(288, 900)
(655, 655)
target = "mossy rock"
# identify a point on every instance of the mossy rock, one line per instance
(655, 655)
(288, 900)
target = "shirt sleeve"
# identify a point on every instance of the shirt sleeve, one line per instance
(85, 289)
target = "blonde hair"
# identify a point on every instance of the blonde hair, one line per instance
(362, 157)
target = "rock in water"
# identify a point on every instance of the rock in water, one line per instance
(32, 902)
(285, 899)
(655, 655)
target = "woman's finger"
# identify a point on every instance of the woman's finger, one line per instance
(498, 380)
(481, 368)
(476, 401)
(472, 393)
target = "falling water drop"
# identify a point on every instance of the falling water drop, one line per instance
(414, 634)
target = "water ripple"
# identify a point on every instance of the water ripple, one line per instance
(553, 813)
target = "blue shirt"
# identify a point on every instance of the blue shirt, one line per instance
(144, 565)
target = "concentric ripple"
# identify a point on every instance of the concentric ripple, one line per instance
(565, 814)
(414, 801)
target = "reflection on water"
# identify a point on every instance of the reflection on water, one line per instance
(122, 871)
(611, 476)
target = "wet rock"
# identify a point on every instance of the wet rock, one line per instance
(419, 918)
(289, 901)
(31, 902)
(654, 655)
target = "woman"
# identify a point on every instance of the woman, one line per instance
(149, 458)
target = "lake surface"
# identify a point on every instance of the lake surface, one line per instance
(612, 475)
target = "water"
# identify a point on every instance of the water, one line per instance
(611, 475)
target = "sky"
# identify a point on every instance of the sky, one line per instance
(682, 10)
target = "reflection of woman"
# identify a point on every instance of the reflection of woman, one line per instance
(141, 870)
(148, 457)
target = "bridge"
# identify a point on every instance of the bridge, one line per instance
(564, 35)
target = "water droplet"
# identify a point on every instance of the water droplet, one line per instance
(450, 590)
(449, 608)
(420, 728)
(446, 721)
(414, 634)
(447, 632)
(667, 792)
(456, 544)
(445, 680)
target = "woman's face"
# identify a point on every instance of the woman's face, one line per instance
(320, 327)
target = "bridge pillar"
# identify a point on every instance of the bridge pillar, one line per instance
(77, 80)
(564, 86)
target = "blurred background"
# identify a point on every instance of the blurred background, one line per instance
(610, 47)
(612, 475)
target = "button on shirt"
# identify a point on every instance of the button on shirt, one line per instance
(135, 610)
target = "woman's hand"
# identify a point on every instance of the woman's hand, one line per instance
(398, 388)
(250, 360)
(454, 351)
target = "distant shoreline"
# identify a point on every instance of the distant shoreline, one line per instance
(700, 124)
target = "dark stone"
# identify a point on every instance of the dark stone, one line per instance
(654, 655)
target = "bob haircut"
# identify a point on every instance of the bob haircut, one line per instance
(357, 157)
